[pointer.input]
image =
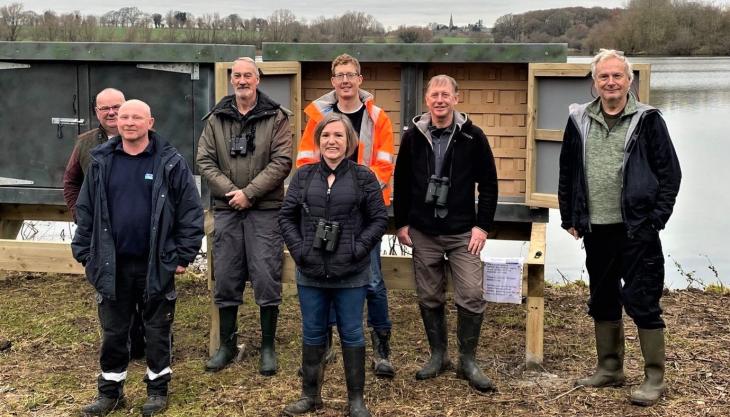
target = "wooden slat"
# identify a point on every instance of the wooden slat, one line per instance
(535, 296)
(34, 212)
(33, 256)
(555, 135)
(542, 200)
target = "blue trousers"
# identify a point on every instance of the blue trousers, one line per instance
(315, 304)
(377, 297)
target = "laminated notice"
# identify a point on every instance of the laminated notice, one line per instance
(503, 280)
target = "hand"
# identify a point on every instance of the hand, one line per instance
(478, 240)
(403, 237)
(179, 270)
(238, 200)
(574, 233)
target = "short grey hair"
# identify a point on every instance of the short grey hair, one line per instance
(251, 61)
(604, 54)
(443, 79)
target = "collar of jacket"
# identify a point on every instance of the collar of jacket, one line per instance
(340, 169)
(226, 108)
(461, 120)
(327, 102)
(161, 148)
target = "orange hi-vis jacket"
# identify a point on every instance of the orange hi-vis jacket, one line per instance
(375, 150)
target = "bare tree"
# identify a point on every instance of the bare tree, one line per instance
(11, 20)
(157, 20)
(281, 26)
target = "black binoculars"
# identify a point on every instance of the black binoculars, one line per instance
(438, 190)
(242, 144)
(327, 235)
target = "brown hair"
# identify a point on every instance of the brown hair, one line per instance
(350, 135)
(345, 59)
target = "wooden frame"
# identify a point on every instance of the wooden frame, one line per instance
(535, 72)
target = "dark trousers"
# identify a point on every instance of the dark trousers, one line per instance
(116, 319)
(612, 256)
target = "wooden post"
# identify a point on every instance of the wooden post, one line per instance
(215, 337)
(535, 296)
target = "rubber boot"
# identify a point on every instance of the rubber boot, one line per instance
(329, 355)
(434, 321)
(228, 348)
(652, 348)
(354, 361)
(468, 328)
(267, 361)
(610, 351)
(312, 377)
(381, 350)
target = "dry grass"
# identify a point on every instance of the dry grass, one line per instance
(50, 368)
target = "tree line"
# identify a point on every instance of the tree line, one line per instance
(656, 27)
(671, 27)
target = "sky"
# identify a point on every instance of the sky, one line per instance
(388, 12)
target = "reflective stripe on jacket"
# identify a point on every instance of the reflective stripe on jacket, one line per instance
(375, 150)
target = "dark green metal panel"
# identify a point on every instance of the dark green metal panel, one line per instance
(417, 52)
(133, 52)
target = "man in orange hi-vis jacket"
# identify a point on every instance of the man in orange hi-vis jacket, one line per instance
(376, 151)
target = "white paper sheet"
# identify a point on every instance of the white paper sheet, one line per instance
(503, 280)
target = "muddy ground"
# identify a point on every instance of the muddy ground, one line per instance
(50, 367)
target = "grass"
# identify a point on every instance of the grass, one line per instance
(50, 369)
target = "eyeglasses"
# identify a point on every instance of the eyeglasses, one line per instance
(105, 109)
(340, 76)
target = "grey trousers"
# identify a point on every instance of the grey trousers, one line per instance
(247, 246)
(431, 255)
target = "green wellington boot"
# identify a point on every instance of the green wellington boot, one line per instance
(228, 348)
(610, 350)
(267, 360)
(652, 348)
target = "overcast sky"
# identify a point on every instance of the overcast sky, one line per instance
(391, 13)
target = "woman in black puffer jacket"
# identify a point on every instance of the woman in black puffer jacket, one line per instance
(333, 215)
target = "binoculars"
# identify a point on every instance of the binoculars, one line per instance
(438, 190)
(327, 235)
(242, 145)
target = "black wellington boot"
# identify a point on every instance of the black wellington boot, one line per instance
(103, 405)
(354, 361)
(228, 348)
(312, 377)
(434, 321)
(468, 328)
(267, 361)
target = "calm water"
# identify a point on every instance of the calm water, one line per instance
(694, 96)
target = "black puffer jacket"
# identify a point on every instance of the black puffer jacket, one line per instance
(355, 201)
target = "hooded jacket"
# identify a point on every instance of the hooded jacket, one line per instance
(176, 226)
(468, 162)
(650, 171)
(260, 173)
(375, 150)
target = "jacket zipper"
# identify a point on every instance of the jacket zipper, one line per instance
(325, 255)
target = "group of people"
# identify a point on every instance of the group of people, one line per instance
(140, 222)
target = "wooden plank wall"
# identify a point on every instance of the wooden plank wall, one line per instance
(495, 97)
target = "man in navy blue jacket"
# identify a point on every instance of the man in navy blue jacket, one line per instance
(140, 222)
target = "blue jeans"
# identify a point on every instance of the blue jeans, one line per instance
(315, 304)
(377, 297)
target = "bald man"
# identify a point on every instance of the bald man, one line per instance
(140, 222)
